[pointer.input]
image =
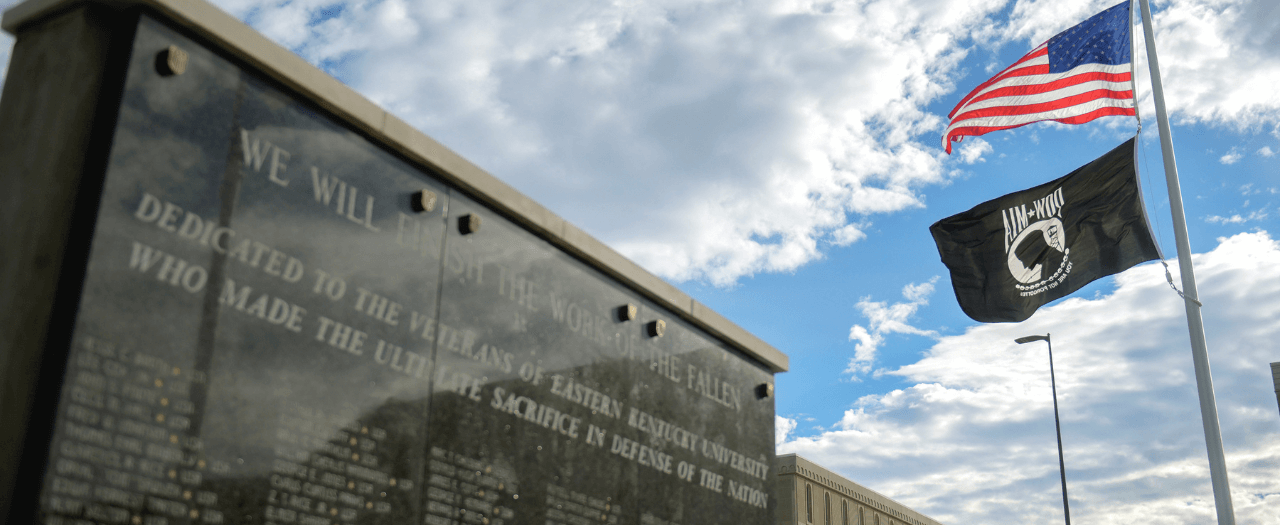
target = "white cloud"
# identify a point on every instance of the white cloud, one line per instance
(865, 351)
(848, 234)
(714, 139)
(1231, 157)
(1033, 21)
(973, 149)
(886, 319)
(1218, 219)
(1252, 216)
(919, 293)
(972, 440)
(1220, 61)
(1265, 151)
(782, 427)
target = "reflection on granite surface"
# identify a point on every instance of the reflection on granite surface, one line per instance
(270, 333)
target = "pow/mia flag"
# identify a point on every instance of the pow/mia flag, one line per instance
(1011, 255)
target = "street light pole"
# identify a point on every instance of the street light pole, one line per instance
(1062, 466)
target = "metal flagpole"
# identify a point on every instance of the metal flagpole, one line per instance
(1195, 324)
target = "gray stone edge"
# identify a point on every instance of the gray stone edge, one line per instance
(295, 73)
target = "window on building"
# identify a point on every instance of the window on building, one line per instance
(844, 512)
(826, 508)
(808, 503)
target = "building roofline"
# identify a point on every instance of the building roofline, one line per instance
(887, 504)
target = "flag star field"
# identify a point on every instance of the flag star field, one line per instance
(1103, 39)
(780, 161)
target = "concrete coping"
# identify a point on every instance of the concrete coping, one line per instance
(282, 65)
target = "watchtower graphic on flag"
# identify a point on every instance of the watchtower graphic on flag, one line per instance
(1031, 232)
(1077, 76)
(1011, 255)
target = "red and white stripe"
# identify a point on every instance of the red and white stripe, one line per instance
(1026, 92)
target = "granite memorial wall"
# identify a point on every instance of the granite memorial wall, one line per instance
(282, 322)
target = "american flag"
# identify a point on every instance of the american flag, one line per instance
(1078, 75)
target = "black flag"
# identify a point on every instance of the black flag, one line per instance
(1011, 255)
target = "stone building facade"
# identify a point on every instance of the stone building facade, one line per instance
(809, 494)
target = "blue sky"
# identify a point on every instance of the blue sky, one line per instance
(780, 161)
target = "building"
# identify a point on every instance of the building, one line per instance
(810, 494)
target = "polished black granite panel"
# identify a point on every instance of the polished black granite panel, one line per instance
(272, 332)
(538, 376)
